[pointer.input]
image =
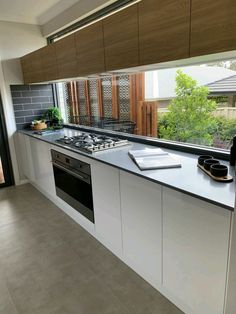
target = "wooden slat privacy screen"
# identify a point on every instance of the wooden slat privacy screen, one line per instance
(142, 114)
(147, 118)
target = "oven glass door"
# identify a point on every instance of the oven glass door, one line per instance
(74, 191)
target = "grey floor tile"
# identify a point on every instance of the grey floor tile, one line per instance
(6, 303)
(51, 265)
(91, 297)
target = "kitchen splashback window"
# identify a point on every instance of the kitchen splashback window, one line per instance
(191, 105)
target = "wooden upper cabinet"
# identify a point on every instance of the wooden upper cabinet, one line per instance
(164, 28)
(49, 63)
(90, 49)
(40, 65)
(121, 39)
(66, 57)
(213, 26)
(26, 68)
(32, 67)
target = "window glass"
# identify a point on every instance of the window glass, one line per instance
(191, 104)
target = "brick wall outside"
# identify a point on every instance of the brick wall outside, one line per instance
(30, 102)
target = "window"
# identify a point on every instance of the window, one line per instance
(191, 105)
(108, 102)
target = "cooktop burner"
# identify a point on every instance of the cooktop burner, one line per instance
(92, 142)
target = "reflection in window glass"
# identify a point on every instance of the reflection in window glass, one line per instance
(108, 102)
(193, 104)
(2, 180)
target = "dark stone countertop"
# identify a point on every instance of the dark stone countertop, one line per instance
(188, 179)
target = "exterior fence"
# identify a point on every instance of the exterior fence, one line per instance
(226, 112)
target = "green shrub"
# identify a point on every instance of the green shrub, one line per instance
(189, 118)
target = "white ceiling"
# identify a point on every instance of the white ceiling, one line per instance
(33, 11)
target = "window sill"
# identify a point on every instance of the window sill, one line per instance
(182, 147)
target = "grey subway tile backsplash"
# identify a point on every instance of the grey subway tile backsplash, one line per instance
(16, 94)
(20, 88)
(18, 107)
(40, 99)
(20, 120)
(30, 93)
(45, 93)
(39, 87)
(38, 112)
(31, 118)
(47, 105)
(21, 100)
(30, 102)
(24, 113)
(32, 106)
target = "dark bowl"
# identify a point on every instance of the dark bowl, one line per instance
(202, 158)
(219, 170)
(208, 162)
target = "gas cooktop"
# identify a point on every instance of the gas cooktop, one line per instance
(92, 142)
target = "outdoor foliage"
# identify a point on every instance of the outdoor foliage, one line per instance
(189, 118)
(224, 132)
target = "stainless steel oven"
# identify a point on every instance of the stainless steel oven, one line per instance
(73, 183)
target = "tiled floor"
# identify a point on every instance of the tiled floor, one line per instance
(49, 264)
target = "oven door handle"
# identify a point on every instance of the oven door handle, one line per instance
(74, 174)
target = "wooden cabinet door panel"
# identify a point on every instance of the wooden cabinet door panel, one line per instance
(32, 67)
(121, 39)
(213, 26)
(90, 49)
(36, 61)
(66, 57)
(39, 66)
(164, 27)
(49, 63)
(26, 68)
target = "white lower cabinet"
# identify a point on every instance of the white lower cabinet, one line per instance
(141, 211)
(195, 252)
(106, 199)
(24, 156)
(43, 171)
(178, 243)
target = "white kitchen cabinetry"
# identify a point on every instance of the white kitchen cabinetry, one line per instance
(106, 200)
(24, 156)
(41, 157)
(141, 211)
(178, 243)
(195, 252)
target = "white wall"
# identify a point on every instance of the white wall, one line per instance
(16, 40)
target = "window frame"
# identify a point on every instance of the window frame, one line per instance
(177, 146)
(102, 13)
